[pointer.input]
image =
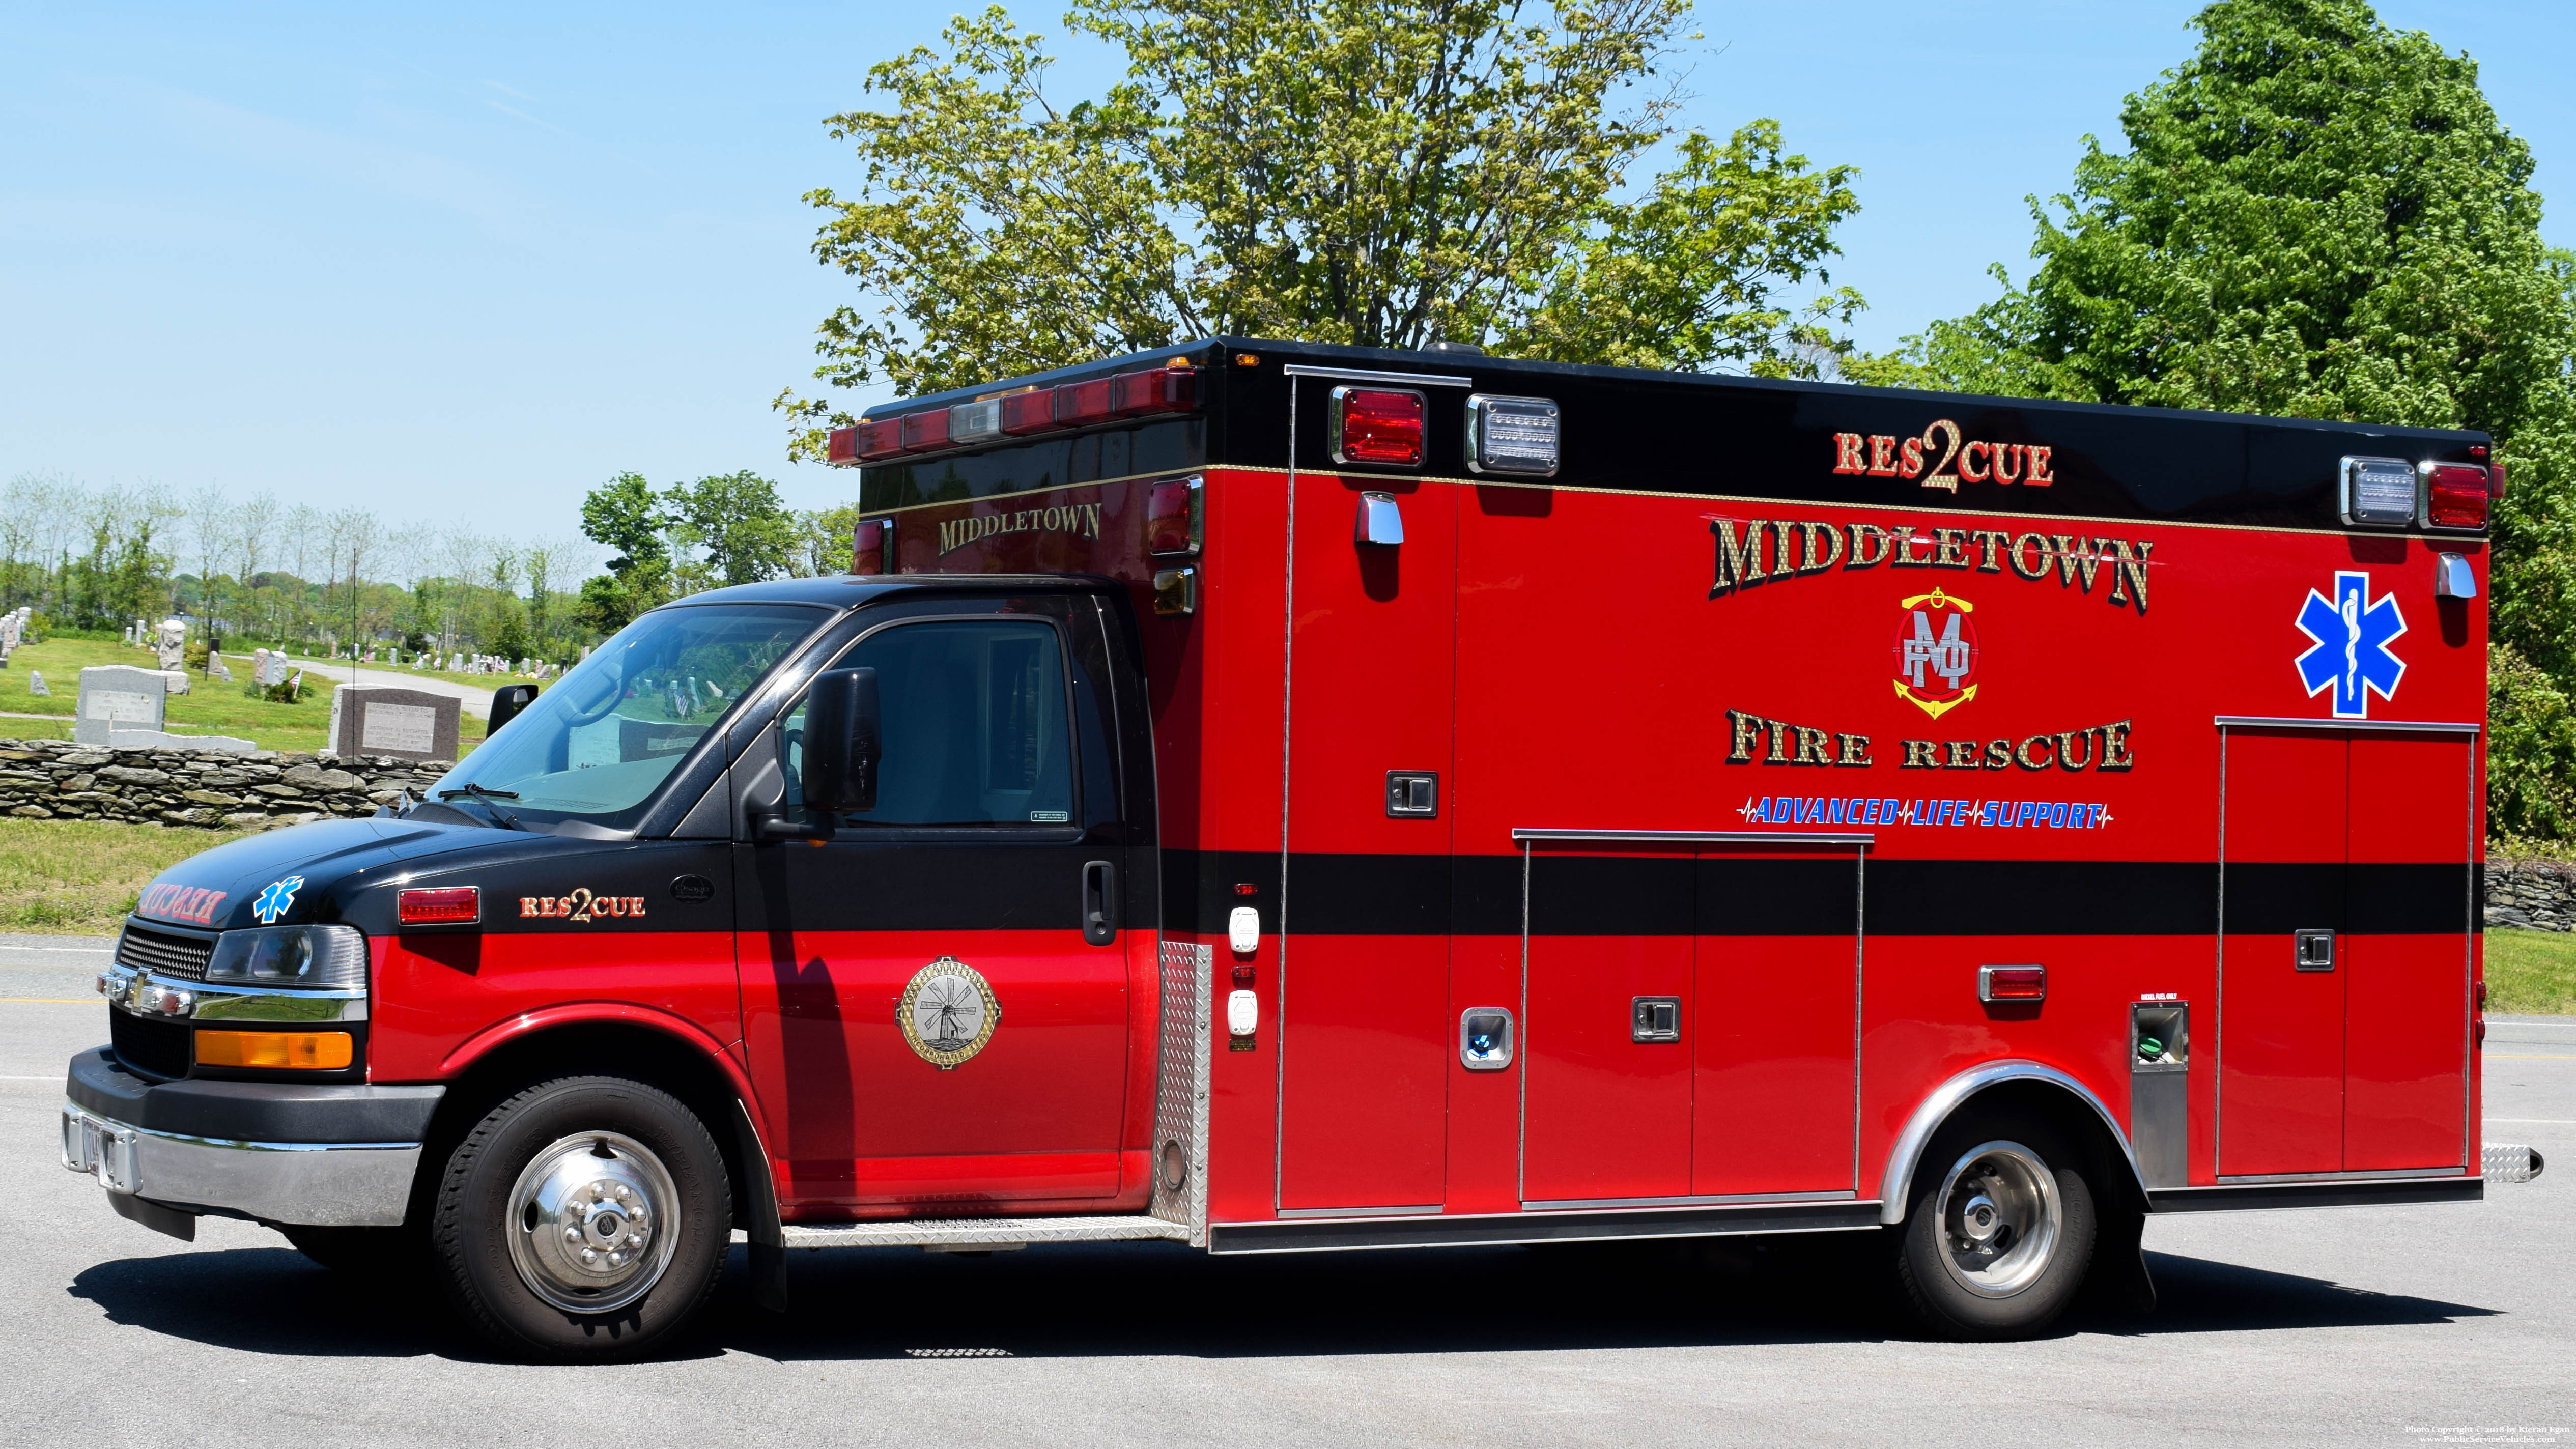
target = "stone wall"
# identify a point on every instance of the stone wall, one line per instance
(2537, 895)
(61, 780)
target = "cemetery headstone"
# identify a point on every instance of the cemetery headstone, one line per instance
(409, 724)
(123, 707)
(36, 683)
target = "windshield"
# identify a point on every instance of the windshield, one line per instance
(599, 743)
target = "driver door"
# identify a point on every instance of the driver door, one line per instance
(927, 1020)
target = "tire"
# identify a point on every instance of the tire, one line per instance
(583, 1219)
(1999, 1231)
(372, 1254)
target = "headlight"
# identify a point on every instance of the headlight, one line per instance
(296, 958)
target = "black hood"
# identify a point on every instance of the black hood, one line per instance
(328, 871)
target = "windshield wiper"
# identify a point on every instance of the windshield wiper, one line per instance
(487, 795)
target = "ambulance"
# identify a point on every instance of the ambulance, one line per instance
(1285, 798)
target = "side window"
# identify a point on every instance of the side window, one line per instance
(973, 725)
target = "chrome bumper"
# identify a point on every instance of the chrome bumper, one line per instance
(312, 1184)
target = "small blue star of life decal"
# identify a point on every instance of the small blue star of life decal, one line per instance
(274, 901)
(2351, 655)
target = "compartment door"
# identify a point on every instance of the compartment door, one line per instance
(2406, 967)
(1773, 1055)
(2281, 1037)
(1364, 970)
(1609, 1031)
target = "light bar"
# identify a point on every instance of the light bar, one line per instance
(1145, 392)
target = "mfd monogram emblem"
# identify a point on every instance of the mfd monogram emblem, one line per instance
(581, 906)
(948, 1013)
(1936, 653)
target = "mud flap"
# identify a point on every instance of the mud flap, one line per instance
(2119, 1281)
(153, 1215)
(760, 1196)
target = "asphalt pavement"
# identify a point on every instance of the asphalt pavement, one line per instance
(2443, 1324)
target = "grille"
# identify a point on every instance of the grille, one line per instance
(181, 956)
(155, 1048)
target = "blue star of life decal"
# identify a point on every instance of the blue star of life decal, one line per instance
(2351, 655)
(274, 901)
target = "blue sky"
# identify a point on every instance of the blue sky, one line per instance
(460, 263)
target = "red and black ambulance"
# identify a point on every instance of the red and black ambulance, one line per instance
(1279, 797)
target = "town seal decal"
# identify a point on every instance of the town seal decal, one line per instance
(1936, 652)
(948, 1013)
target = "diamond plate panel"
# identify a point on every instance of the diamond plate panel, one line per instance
(2509, 1162)
(1181, 1086)
(980, 1230)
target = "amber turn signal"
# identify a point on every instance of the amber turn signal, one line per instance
(316, 1051)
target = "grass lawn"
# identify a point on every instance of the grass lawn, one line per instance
(2532, 971)
(211, 707)
(80, 877)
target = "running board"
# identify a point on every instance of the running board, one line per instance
(974, 1234)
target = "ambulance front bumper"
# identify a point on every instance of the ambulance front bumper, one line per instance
(286, 1153)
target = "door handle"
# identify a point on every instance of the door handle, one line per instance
(1100, 903)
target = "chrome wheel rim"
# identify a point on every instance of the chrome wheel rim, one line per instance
(592, 1222)
(2000, 1219)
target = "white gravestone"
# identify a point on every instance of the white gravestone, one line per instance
(36, 683)
(125, 708)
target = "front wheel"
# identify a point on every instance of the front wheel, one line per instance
(2000, 1232)
(584, 1218)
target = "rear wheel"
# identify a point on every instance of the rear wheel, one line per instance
(1999, 1233)
(585, 1218)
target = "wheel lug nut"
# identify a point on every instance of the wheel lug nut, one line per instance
(590, 1255)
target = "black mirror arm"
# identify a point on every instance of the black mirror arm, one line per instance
(774, 825)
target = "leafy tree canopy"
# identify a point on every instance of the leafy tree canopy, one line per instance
(2320, 216)
(1374, 172)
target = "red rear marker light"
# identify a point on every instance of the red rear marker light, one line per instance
(1028, 412)
(1159, 390)
(1176, 517)
(1080, 404)
(843, 448)
(1376, 425)
(2455, 495)
(2012, 983)
(878, 438)
(872, 546)
(925, 432)
(441, 906)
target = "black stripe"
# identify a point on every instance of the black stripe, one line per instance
(2232, 1197)
(2042, 898)
(1620, 895)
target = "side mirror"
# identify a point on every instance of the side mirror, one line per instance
(507, 701)
(842, 744)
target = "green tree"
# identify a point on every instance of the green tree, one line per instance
(2316, 216)
(625, 514)
(744, 531)
(1376, 172)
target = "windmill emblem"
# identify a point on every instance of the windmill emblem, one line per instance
(948, 1013)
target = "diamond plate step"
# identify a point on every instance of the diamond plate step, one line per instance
(980, 1231)
(2509, 1162)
